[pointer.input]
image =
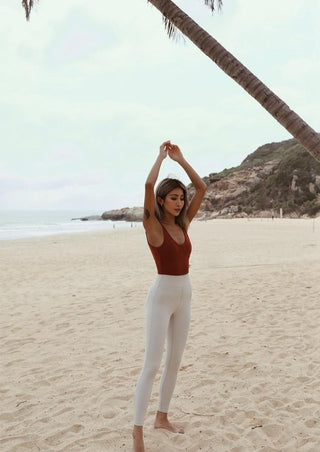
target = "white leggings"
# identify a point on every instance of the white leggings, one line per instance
(168, 314)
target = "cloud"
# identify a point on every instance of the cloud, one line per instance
(77, 39)
(75, 190)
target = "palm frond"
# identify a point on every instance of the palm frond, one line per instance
(28, 5)
(212, 4)
(171, 30)
(174, 33)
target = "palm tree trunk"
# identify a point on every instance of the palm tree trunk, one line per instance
(295, 125)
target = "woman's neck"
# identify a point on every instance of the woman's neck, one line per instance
(170, 221)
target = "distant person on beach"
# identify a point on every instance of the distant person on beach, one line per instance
(166, 219)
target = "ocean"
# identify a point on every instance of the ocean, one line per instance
(16, 224)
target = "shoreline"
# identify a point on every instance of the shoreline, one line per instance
(134, 225)
(71, 233)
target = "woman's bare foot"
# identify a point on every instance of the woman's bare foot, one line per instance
(162, 421)
(137, 435)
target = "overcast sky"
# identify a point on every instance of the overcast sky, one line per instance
(89, 90)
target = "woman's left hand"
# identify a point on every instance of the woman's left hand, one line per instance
(175, 153)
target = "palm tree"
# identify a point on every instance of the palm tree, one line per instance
(174, 18)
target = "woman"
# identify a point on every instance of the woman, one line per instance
(167, 216)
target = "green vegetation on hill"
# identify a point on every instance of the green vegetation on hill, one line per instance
(270, 151)
(292, 183)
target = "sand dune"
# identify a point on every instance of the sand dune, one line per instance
(72, 340)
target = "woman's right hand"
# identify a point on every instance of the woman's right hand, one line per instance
(164, 148)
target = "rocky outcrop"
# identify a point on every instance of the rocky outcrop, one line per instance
(124, 214)
(276, 176)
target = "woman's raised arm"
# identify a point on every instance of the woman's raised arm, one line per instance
(149, 197)
(200, 187)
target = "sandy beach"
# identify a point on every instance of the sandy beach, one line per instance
(72, 340)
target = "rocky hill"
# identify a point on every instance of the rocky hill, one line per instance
(276, 176)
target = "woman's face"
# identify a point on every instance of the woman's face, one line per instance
(174, 201)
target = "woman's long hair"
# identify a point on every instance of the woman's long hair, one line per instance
(163, 188)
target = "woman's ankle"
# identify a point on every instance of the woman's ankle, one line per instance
(138, 429)
(161, 416)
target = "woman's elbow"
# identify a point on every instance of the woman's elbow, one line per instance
(148, 185)
(203, 187)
